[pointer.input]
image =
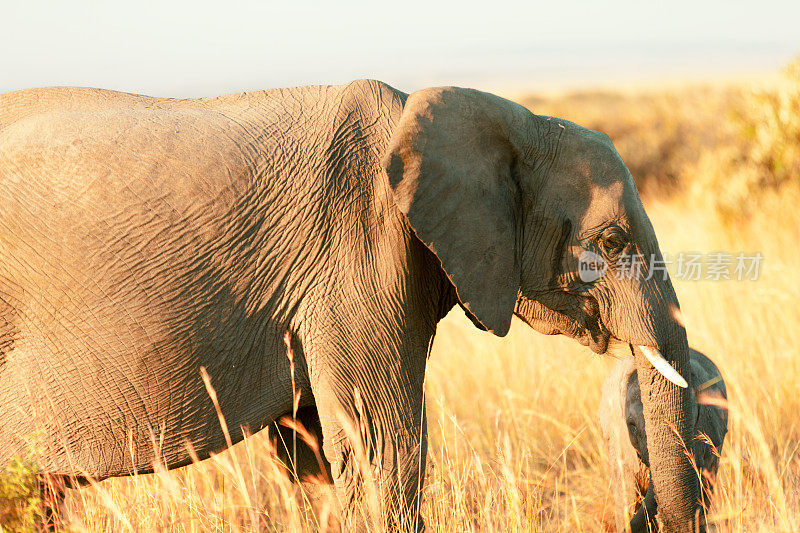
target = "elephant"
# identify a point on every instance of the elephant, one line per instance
(623, 426)
(152, 246)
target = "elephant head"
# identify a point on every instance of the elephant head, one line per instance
(512, 204)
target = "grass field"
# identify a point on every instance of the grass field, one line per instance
(515, 444)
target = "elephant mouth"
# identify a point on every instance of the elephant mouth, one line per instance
(565, 313)
(596, 338)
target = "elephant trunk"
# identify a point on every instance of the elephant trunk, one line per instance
(645, 518)
(670, 430)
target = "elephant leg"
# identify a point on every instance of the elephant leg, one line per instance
(645, 518)
(52, 493)
(375, 440)
(298, 445)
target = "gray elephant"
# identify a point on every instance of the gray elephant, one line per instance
(144, 240)
(623, 426)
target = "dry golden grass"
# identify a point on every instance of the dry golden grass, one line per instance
(515, 444)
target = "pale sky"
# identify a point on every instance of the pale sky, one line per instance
(202, 48)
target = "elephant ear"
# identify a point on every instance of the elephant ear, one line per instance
(450, 165)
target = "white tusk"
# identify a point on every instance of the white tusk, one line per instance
(661, 364)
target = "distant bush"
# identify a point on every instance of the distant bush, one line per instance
(730, 148)
(769, 127)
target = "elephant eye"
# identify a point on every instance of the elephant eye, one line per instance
(613, 242)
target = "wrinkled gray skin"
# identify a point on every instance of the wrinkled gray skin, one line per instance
(622, 422)
(143, 238)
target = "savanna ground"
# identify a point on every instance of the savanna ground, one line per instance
(515, 444)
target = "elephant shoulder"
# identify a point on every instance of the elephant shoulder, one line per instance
(357, 124)
(369, 90)
(370, 100)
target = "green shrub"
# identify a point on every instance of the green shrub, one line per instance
(20, 500)
(764, 160)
